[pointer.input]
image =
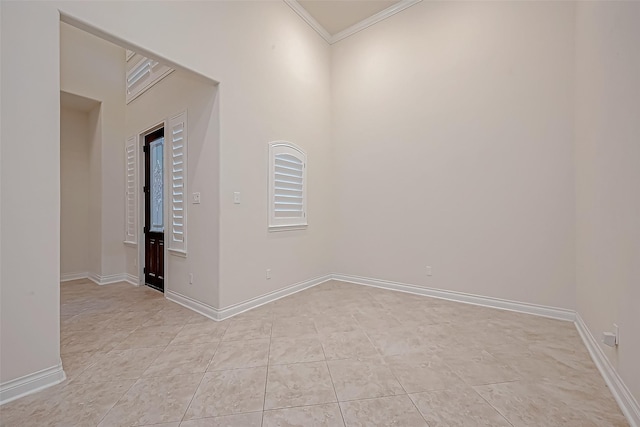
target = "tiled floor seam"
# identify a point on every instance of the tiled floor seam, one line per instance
(116, 402)
(200, 383)
(405, 391)
(494, 408)
(332, 382)
(266, 380)
(186, 409)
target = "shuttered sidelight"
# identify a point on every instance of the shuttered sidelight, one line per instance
(131, 191)
(177, 164)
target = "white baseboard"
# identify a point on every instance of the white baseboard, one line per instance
(67, 277)
(101, 280)
(233, 310)
(628, 404)
(15, 389)
(108, 279)
(132, 279)
(193, 304)
(520, 307)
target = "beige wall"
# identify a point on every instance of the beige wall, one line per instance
(74, 191)
(274, 84)
(94, 68)
(95, 191)
(453, 134)
(608, 173)
(174, 94)
(29, 299)
(446, 132)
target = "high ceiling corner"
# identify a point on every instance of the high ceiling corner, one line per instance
(335, 20)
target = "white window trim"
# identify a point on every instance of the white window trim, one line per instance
(284, 224)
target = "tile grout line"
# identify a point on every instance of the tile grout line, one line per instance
(326, 362)
(494, 408)
(116, 402)
(406, 393)
(266, 380)
(202, 379)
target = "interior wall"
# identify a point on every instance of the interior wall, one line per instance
(453, 136)
(274, 79)
(74, 192)
(274, 73)
(95, 192)
(177, 92)
(608, 173)
(95, 69)
(29, 297)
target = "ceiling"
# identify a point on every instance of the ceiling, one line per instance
(336, 16)
(336, 19)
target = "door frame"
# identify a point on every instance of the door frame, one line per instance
(142, 203)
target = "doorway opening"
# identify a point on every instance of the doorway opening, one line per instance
(154, 209)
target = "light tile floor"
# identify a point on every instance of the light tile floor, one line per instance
(334, 355)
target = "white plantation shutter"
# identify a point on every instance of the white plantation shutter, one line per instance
(131, 193)
(287, 186)
(144, 74)
(177, 164)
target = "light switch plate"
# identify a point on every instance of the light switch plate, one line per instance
(196, 198)
(236, 197)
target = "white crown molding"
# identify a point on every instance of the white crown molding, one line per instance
(380, 16)
(19, 387)
(365, 23)
(67, 277)
(628, 404)
(302, 12)
(502, 304)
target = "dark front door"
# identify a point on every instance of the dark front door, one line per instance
(154, 209)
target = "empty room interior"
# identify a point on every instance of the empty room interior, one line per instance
(320, 213)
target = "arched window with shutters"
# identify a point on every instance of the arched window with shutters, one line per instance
(287, 186)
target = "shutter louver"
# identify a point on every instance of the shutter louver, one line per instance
(131, 193)
(143, 75)
(287, 186)
(178, 185)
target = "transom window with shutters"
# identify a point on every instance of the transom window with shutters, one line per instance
(287, 186)
(142, 74)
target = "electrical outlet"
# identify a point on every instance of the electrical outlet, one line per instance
(429, 271)
(268, 273)
(191, 278)
(616, 331)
